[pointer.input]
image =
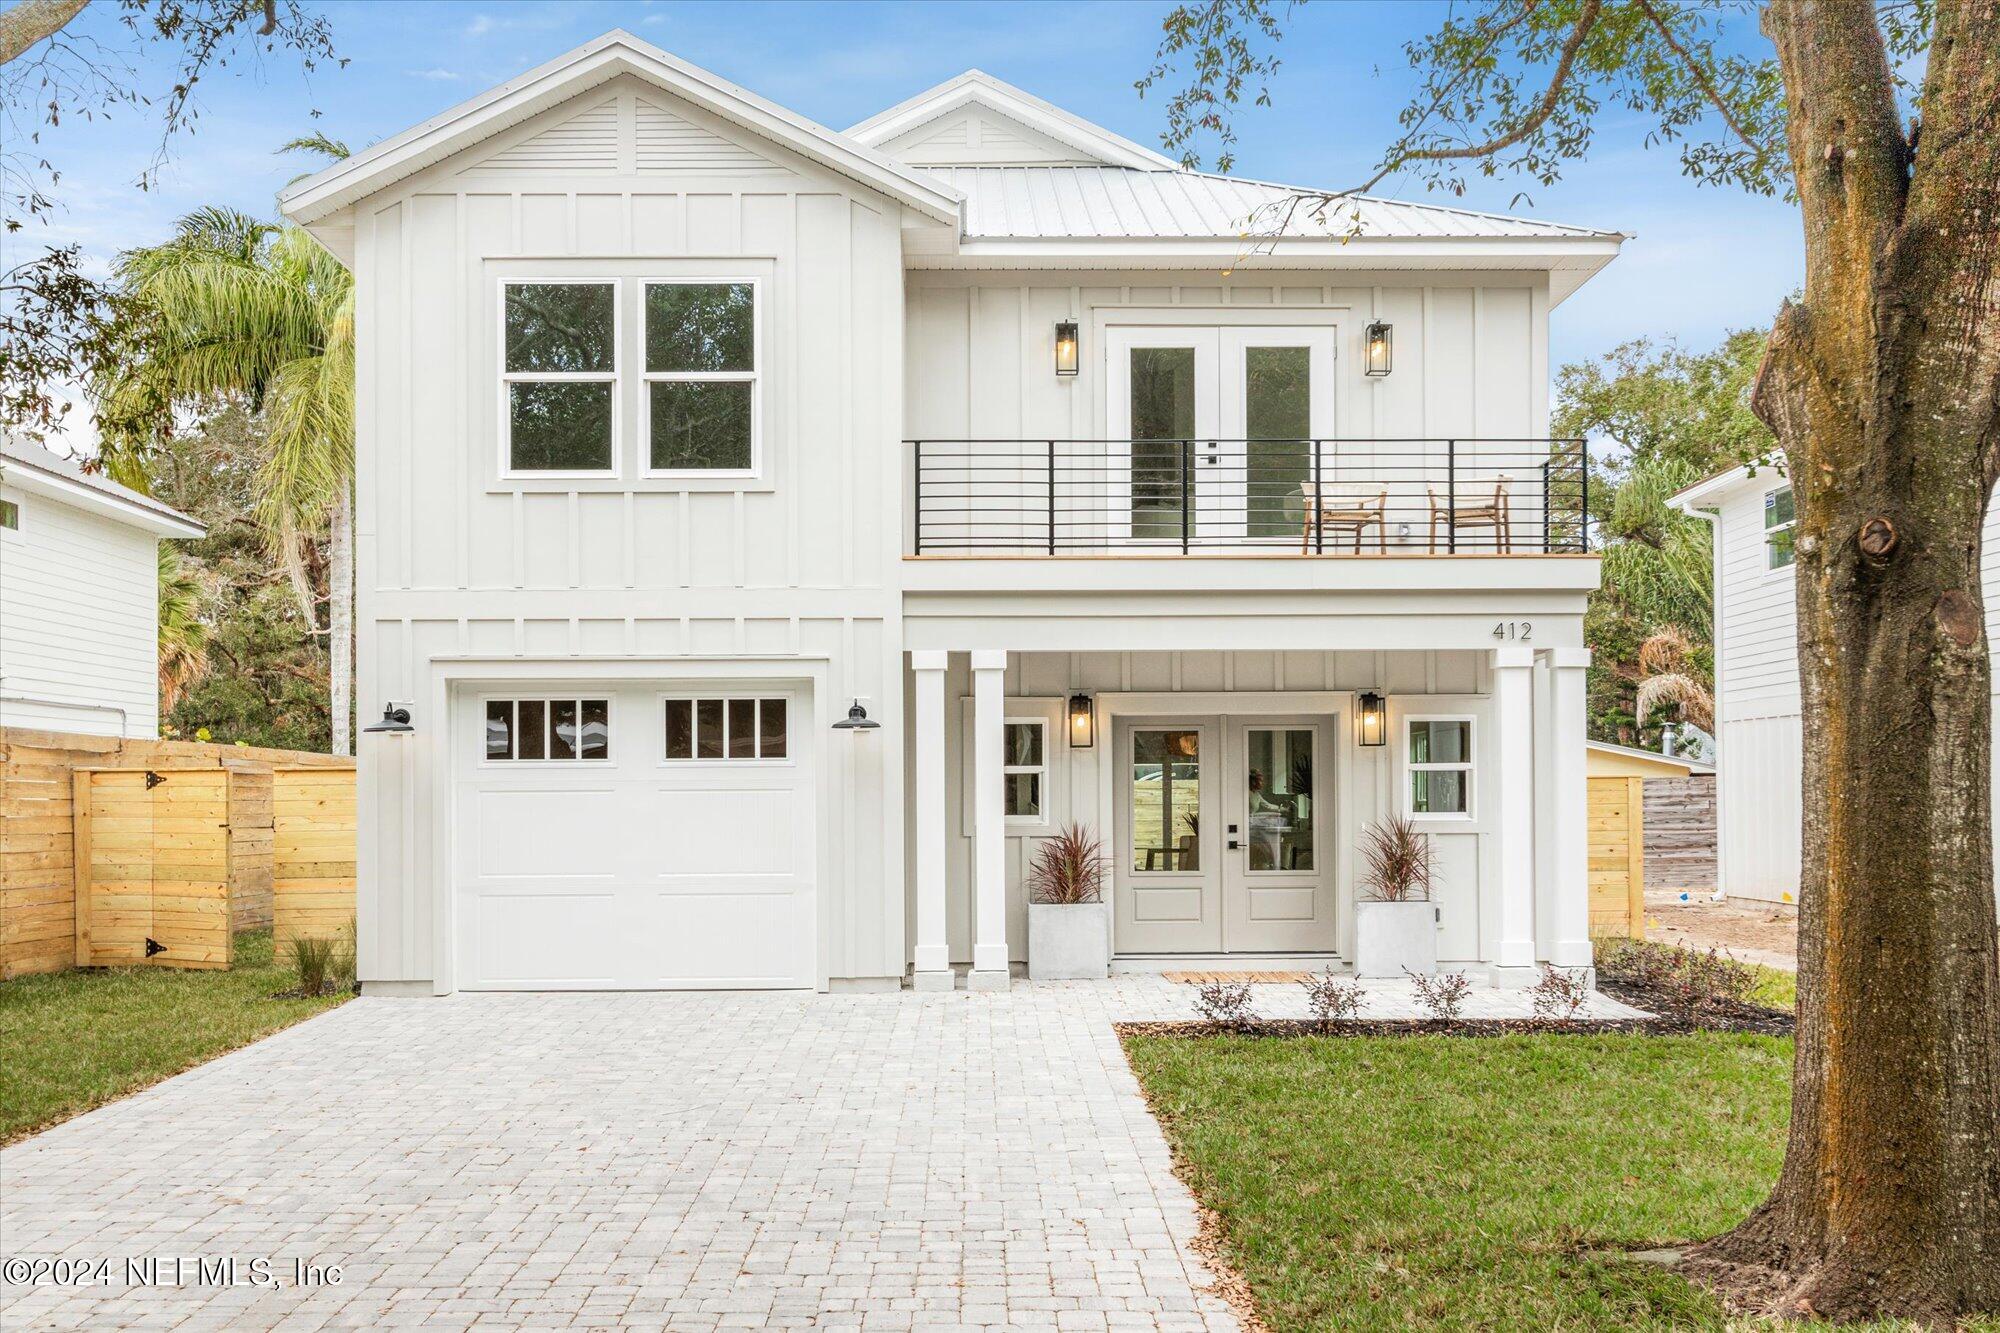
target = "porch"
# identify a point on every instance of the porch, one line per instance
(1230, 787)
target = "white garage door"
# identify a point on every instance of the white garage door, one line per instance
(632, 837)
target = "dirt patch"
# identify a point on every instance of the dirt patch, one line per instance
(1752, 932)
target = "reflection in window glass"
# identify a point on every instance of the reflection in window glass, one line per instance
(1024, 795)
(1166, 800)
(697, 326)
(708, 729)
(534, 729)
(1440, 742)
(1437, 793)
(1280, 792)
(559, 425)
(1780, 517)
(1023, 768)
(1440, 764)
(499, 729)
(1277, 405)
(771, 733)
(596, 728)
(700, 424)
(742, 728)
(560, 327)
(680, 728)
(1163, 392)
(562, 729)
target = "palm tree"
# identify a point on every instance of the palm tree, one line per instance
(242, 306)
(184, 630)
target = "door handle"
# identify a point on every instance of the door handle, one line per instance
(1234, 845)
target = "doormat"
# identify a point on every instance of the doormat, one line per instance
(1234, 978)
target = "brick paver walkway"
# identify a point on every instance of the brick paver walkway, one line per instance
(639, 1160)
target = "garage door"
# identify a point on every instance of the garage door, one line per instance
(633, 837)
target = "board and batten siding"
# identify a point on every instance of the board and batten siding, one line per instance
(79, 622)
(454, 562)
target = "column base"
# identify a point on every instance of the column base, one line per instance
(1512, 978)
(988, 980)
(934, 981)
(1573, 953)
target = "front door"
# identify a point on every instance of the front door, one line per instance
(1219, 424)
(1224, 836)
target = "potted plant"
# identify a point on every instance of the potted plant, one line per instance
(1069, 923)
(1395, 927)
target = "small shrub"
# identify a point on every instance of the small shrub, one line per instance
(1687, 982)
(1398, 858)
(1444, 994)
(1331, 998)
(1225, 1004)
(316, 960)
(1068, 868)
(1561, 994)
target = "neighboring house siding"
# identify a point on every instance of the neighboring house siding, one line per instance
(79, 622)
(455, 562)
(1760, 638)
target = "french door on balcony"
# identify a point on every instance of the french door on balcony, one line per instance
(1216, 427)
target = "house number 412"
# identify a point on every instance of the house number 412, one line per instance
(1514, 629)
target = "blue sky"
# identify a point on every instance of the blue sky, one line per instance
(1703, 260)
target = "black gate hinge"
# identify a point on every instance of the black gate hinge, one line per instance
(153, 779)
(153, 946)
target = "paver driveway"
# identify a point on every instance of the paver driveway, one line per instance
(682, 1161)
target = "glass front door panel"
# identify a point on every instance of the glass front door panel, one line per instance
(1163, 417)
(1277, 419)
(1278, 810)
(1166, 800)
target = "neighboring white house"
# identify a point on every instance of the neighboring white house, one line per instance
(685, 423)
(79, 597)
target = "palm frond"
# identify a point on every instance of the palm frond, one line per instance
(184, 627)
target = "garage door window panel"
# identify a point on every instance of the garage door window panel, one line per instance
(734, 729)
(547, 730)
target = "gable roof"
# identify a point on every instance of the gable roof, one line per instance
(976, 88)
(320, 196)
(39, 471)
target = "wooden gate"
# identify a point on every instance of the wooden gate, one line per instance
(152, 868)
(312, 870)
(1617, 856)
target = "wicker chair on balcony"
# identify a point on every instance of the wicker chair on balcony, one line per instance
(1345, 513)
(1473, 508)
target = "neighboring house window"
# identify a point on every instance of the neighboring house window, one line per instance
(1025, 752)
(1440, 765)
(1780, 514)
(701, 377)
(548, 729)
(560, 367)
(10, 515)
(730, 728)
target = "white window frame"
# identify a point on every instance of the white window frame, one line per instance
(1469, 767)
(15, 506)
(753, 377)
(1767, 531)
(542, 697)
(507, 378)
(1043, 770)
(694, 697)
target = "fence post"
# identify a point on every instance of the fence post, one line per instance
(1187, 494)
(1052, 497)
(917, 497)
(1451, 496)
(1319, 505)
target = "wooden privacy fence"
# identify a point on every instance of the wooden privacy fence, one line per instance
(1617, 833)
(312, 854)
(61, 909)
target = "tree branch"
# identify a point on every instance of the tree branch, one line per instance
(1702, 80)
(31, 21)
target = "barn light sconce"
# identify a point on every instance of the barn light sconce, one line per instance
(1066, 358)
(1082, 722)
(395, 722)
(1380, 342)
(1371, 725)
(857, 719)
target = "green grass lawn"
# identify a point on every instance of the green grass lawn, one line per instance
(1775, 987)
(1435, 1182)
(73, 1040)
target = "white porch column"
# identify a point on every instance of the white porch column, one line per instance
(989, 822)
(1569, 798)
(933, 953)
(1514, 811)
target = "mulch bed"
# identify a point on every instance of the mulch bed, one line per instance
(1717, 1015)
(1742, 1018)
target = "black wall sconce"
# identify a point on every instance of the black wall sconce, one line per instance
(395, 722)
(1066, 348)
(1082, 722)
(857, 719)
(1371, 723)
(1381, 347)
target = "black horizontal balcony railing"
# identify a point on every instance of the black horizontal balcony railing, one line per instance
(1328, 497)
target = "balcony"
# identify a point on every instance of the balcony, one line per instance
(1324, 497)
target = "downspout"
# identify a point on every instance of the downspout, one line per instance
(1714, 520)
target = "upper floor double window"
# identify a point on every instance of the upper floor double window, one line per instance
(568, 377)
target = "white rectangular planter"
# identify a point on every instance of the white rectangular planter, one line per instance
(1069, 941)
(1391, 938)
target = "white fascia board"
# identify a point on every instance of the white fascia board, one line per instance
(1713, 490)
(594, 63)
(975, 86)
(161, 522)
(1394, 574)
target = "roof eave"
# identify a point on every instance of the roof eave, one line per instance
(318, 196)
(158, 519)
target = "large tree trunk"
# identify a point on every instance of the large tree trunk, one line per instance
(1881, 387)
(340, 619)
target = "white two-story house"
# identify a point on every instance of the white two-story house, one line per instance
(687, 426)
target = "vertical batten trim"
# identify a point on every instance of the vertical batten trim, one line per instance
(469, 268)
(784, 461)
(406, 521)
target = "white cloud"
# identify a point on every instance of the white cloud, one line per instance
(438, 73)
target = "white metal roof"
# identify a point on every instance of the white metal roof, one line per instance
(980, 88)
(28, 465)
(1119, 202)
